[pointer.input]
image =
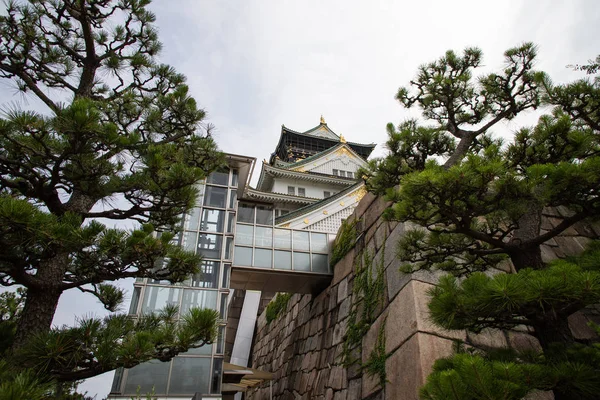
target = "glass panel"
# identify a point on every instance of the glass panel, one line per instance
(302, 192)
(264, 215)
(220, 177)
(234, 177)
(318, 242)
(230, 222)
(193, 219)
(228, 247)
(135, 299)
(215, 196)
(207, 277)
(245, 213)
(264, 237)
(232, 198)
(205, 350)
(221, 340)
(301, 262)
(198, 298)
(291, 190)
(223, 308)
(215, 387)
(244, 234)
(148, 376)
(212, 220)
(319, 263)
(226, 269)
(242, 256)
(116, 386)
(283, 259)
(209, 245)
(300, 240)
(156, 298)
(283, 238)
(191, 374)
(262, 258)
(189, 241)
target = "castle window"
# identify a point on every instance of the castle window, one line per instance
(292, 190)
(326, 194)
(335, 172)
(301, 192)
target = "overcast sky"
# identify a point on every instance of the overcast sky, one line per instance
(255, 65)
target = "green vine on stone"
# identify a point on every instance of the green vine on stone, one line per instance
(375, 365)
(277, 306)
(344, 241)
(367, 296)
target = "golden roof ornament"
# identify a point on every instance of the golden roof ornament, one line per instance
(323, 119)
(342, 139)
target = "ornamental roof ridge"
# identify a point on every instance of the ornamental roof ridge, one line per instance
(321, 154)
(307, 134)
(310, 207)
(309, 174)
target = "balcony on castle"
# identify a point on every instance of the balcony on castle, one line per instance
(277, 259)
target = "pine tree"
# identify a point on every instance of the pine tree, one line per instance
(484, 204)
(120, 139)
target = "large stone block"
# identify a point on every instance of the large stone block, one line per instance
(389, 248)
(487, 338)
(364, 203)
(407, 368)
(339, 331)
(342, 290)
(403, 370)
(578, 323)
(539, 395)
(521, 341)
(370, 339)
(354, 390)
(374, 211)
(337, 377)
(344, 267)
(432, 348)
(408, 313)
(402, 319)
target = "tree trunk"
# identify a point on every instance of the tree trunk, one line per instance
(41, 299)
(37, 315)
(527, 258)
(528, 228)
(553, 330)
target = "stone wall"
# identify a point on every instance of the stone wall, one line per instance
(304, 346)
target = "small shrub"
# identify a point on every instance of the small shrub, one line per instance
(277, 306)
(344, 241)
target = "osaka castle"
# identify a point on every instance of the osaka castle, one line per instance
(255, 242)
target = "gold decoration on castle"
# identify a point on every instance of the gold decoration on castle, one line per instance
(342, 139)
(360, 193)
(341, 203)
(286, 225)
(342, 151)
(325, 212)
(322, 119)
(306, 221)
